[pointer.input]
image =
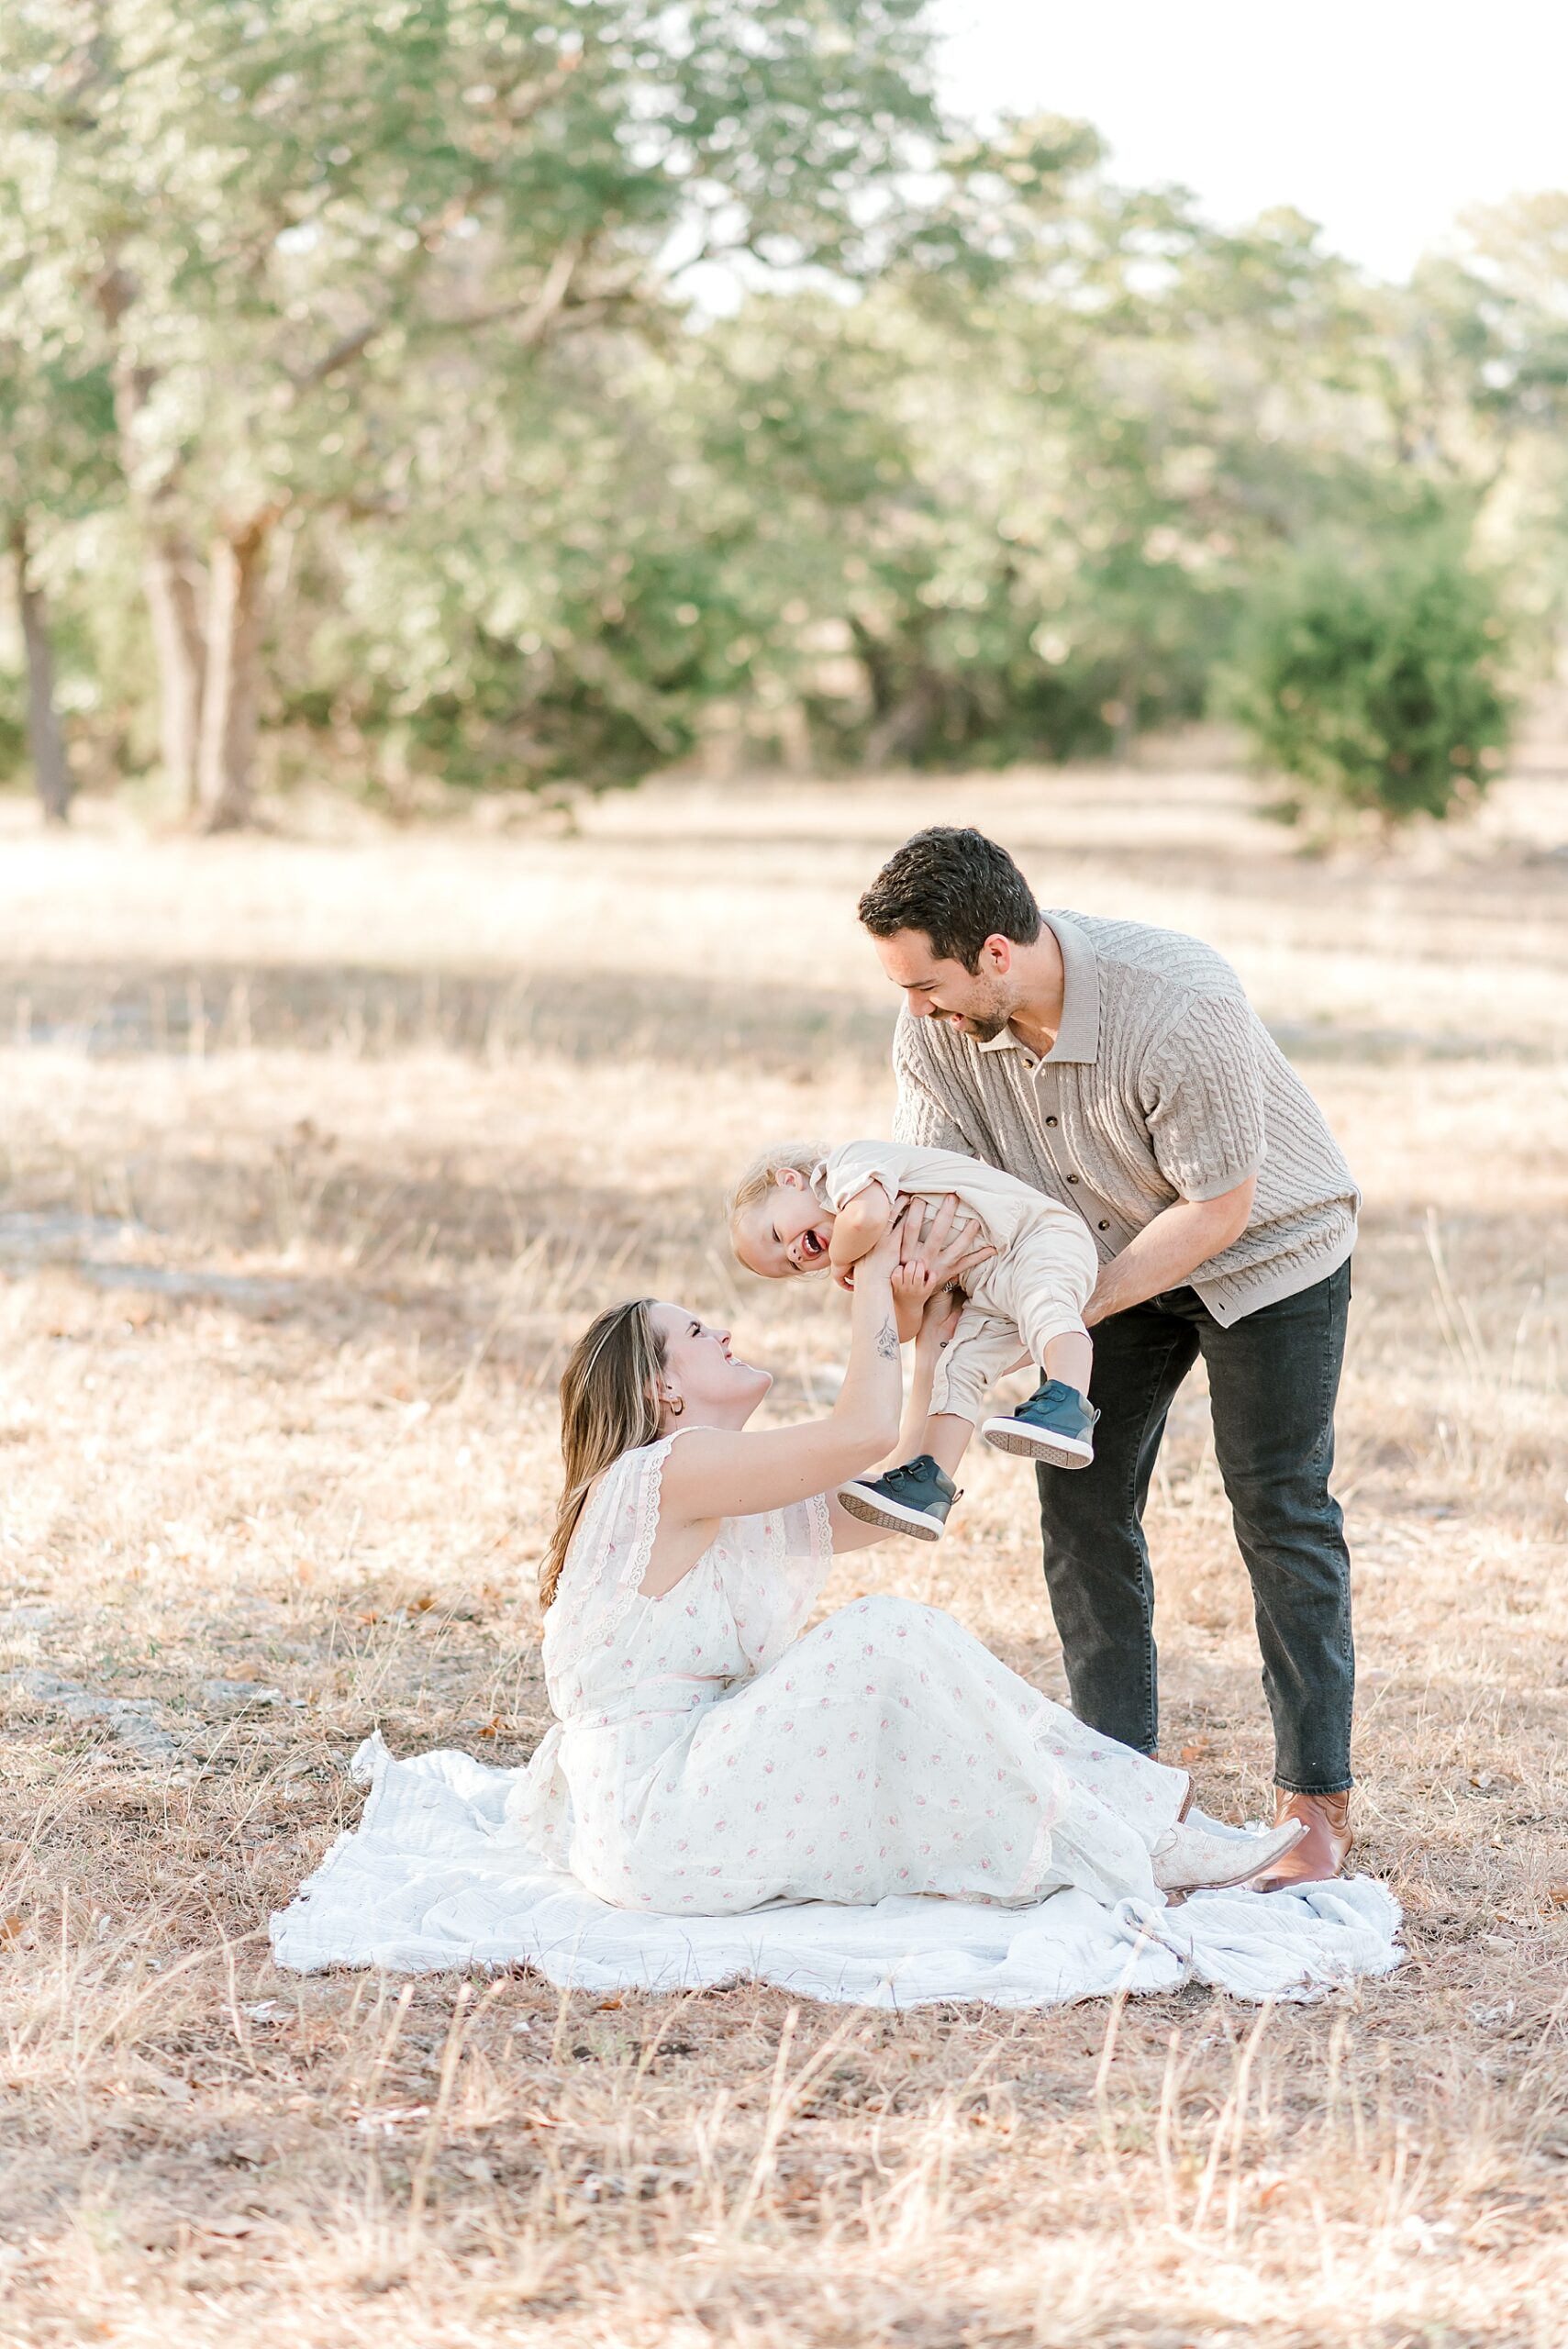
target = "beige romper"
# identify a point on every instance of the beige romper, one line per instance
(1033, 1289)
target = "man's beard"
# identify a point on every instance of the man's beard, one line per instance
(989, 1016)
(985, 1030)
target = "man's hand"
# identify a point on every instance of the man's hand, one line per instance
(1169, 1249)
(945, 1238)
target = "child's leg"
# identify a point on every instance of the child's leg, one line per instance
(912, 1499)
(947, 1438)
(1069, 1356)
(1044, 1279)
(984, 1347)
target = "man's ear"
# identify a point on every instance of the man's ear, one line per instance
(789, 1178)
(996, 954)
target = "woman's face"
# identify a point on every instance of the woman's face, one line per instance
(718, 1390)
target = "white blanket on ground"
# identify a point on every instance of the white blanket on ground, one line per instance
(425, 1882)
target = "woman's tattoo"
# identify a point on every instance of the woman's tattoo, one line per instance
(887, 1343)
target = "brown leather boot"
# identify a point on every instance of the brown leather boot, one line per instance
(1322, 1850)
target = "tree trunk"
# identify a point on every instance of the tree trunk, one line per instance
(902, 729)
(46, 738)
(168, 566)
(1123, 726)
(232, 698)
(168, 578)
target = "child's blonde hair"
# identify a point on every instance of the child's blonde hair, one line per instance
(801, 1157)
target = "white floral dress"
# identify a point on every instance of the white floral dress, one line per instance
(708, 1758)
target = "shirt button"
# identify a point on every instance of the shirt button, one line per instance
(1072, 1178)
(1051, 1122)
(1104, 1223)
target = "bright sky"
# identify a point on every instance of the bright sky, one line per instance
(1383, 119)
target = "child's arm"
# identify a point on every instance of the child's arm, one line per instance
(857, 1228)
(911, 1286)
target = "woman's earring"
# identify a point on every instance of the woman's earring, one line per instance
(674, 1406)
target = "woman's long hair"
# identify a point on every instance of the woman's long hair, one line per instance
(609, 1405)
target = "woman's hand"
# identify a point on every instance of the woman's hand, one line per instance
(938, 1320)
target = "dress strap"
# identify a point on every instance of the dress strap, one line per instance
(601, 1581)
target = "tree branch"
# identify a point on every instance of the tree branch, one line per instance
(344, 352)
(537, 310)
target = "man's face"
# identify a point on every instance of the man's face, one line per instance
(979, 1003)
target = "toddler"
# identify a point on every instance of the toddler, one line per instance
(798, 1210)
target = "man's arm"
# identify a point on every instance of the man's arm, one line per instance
(1204, 1102)
(1169, 1249)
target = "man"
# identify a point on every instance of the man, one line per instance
(1121, 1069)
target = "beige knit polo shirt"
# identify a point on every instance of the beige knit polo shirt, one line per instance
(1162, 1085)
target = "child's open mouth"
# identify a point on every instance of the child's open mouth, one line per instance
(812, 1249)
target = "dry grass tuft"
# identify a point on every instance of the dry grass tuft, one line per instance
(315, 1157)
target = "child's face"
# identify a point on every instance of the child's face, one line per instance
(786, 1231)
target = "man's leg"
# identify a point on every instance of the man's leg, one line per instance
(1096, 1561)
(1273, 1378)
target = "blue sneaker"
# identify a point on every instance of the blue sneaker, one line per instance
(1055, 1425)
(915, 1498)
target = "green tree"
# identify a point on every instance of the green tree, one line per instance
(1029, 474)
(1373, 676)
(280, 212)
(56, 463)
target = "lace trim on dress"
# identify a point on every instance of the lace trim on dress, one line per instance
(651, 1487)
(605, 1564)
(645, 1497)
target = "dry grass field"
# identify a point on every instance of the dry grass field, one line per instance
(317, 1153)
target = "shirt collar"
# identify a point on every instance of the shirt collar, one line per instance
(1078, 1038)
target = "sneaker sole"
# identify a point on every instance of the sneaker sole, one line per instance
(1038, 1443)
(891, 1516)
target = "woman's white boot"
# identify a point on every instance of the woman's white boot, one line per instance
(1193, 1858)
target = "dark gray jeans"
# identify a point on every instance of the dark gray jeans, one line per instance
(1272, 1379)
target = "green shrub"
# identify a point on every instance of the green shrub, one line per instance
(1371, 675)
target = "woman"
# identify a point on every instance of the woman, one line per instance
(707, 1758)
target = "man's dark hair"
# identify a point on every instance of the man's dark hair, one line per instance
(957, 886)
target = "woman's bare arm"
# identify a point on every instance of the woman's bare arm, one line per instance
(716, 1472)
(941, 1312)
